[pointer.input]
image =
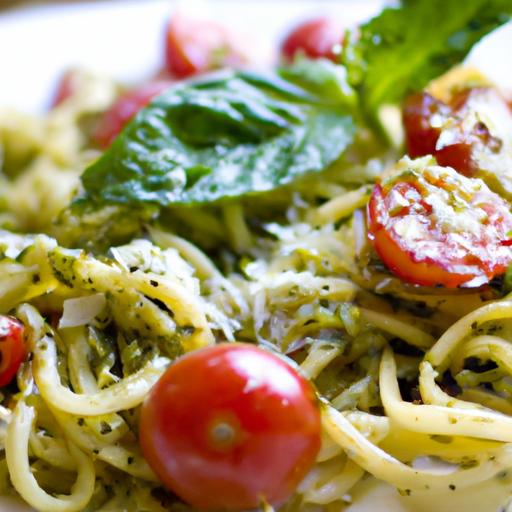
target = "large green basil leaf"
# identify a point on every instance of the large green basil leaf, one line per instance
(222, 137)
(408, 45)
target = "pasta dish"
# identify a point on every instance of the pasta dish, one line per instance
(227, 289)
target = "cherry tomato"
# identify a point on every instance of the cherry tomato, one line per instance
(458, 134)
(315, 38)
(432, 226)
(194, 46)
(230, 425)
(481, 122)
(123, 109)
(12, 348)
(423, 117)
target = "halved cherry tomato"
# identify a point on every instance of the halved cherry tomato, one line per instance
(123, 109)
(484, 123)
(423, 117)
(230, 425)
(315, 38)
(461, 134)
(12, 348)
(432, 226)
(195, 46)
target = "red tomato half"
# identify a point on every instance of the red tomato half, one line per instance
(12, 348)
(195, 46)
(230, 425)
(314, 38)
(123, 109)
(464, 134)
(423, 117)
(484, 123)
(432, 226)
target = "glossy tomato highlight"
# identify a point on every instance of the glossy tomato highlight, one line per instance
(229, 426)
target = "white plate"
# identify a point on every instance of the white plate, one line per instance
(124, 39)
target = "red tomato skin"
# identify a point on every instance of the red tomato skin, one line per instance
(426, 118)
(315, 38)
(449, 262)
(12, 348)
(194, 46)
(123, 110)
(271, 408)
(459, 156)
(462, 153)
(423, 116)
(400, 262)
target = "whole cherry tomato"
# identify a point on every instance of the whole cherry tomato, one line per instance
(123, 109)
(194, 46)
(230, 425)
(12, 348)
(314, 38)
(432, 226)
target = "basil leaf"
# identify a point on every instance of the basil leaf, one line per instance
(223, 137)
(322, 77)
(405, 47)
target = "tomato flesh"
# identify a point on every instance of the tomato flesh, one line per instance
(314, 38)
(123, 110)
(194, 46)
(230, 425)
(12, 348)
(434, 227)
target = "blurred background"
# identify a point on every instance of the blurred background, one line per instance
(124, 39)
(10, 4)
